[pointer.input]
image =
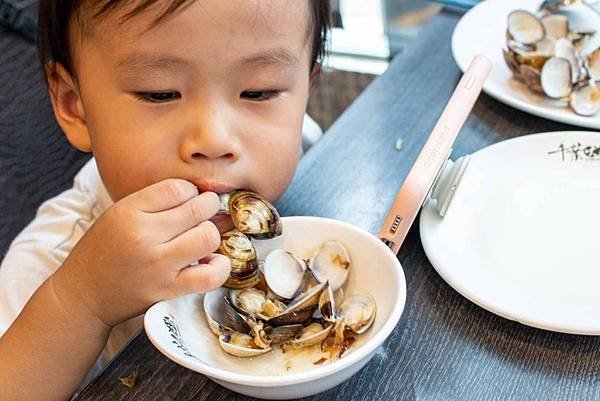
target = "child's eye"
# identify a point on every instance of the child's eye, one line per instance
(158, 97)
(258, 96)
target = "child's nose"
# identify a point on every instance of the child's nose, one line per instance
(209, 137)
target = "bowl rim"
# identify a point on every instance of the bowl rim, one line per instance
(322, 371)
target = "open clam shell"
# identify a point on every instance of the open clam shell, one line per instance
(556, 25)
(283, 334)
(327, 305)
(359, 312)
(241, 345)
(564, 49)
(525, 27)
(249, 301)
(546, 46)
(590, 44)
(534, 59)
(593, 66)
(532, 78)
(300, 310)
(331, 263)
(220, 314)
(310, 335)
(556, 78)
(272, 308)
(255, 303)
(585, 100)
(284, 273)
(511, 61)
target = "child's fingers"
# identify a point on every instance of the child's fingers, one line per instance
(194, 244)
(163, 195)
(208, 275)
(171, 223)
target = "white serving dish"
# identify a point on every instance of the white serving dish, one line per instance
(178, 327)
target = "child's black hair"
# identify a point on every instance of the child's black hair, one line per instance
(56, 18)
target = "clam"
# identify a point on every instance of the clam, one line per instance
(244, 265)
(259, 335)
(312, 334)
(585, 100)
(338, 298)
(281, 301)
(579, 38)
(556, 25)
(511, 61)
(273, 307)
(531, 77)
(255, 303)
(554, 56)
(251, 214)
(220, 314)
(556, 78)
(331, 263)
(336, 343)
(525, 27)
(283, 334)
(564, 49)
(590, 44)
(593, 66)
(546, 46)
(327, 304)
(284, 273)
(533, 59)
(358, 312)
(262, 283)
(241, 345)
(519, 48)
(300, 310)
(249, 301)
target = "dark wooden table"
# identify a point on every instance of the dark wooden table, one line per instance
(444, 348)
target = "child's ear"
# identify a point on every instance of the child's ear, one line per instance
(314, 74)
(68, 107)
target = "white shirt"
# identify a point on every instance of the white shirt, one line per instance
(41, 248)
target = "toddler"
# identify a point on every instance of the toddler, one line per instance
(178, 100)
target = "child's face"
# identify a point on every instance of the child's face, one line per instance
(233, 77)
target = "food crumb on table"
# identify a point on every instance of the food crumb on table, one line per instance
(130, 380)
(399, 143)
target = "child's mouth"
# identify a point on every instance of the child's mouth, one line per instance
(215, 187)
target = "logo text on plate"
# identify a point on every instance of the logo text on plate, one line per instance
(577, 152)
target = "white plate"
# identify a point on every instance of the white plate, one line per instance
(178, 327)
(482, 31)
(521, 236)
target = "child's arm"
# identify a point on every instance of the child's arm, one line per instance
(137, 253)
(49, 349)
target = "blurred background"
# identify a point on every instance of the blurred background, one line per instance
(366, 35)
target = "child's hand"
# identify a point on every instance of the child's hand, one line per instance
(139, 251)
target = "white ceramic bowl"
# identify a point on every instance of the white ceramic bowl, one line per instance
(178, 327)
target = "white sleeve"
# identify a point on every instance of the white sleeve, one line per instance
(40, 249)
(311, 132)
